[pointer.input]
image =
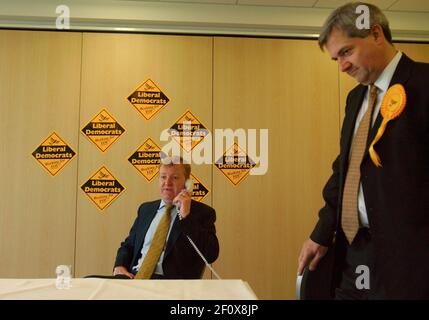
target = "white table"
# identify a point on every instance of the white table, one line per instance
(109, 289)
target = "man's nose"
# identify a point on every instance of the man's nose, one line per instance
(344, 65)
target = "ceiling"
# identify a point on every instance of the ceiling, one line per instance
(386, 5)
(409, 19)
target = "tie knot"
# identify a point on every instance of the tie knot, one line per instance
(373, 90)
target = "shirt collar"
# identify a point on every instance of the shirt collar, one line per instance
(386, 76)
(162, 204)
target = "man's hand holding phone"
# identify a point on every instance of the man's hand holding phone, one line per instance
(183, 200)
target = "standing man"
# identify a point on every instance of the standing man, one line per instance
(376, 213)
(157, 246)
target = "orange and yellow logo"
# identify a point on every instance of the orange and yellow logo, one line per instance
(102, 188)
(235, 164)
(103, 130)
(53, 153)
(148, 99)
(393, 104)
(188, 131)
(199, 191)
(146, 159)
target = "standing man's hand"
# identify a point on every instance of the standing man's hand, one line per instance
(122, 270)
(311, 253)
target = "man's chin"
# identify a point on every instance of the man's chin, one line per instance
(363, 80)
(167, 198)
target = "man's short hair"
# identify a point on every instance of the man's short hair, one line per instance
(170, 161)
(344, 18)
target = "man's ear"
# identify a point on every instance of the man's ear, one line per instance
(377, 33)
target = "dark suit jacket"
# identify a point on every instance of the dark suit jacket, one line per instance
(396, 195)
(180, 259)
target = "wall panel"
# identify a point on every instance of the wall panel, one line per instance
(113, 67)
(39, 94)
(289, 87)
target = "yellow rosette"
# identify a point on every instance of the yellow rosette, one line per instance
(393, 104)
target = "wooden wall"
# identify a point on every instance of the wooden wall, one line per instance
(39, 93)
(288, 87)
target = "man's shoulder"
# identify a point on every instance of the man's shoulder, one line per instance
(149, 205)
(421, 67)
(418, 69)
(358, 90)
(201, 206)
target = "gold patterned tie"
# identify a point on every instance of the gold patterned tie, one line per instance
(152, 256)
(349, 218)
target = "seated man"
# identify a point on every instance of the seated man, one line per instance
(157, 246)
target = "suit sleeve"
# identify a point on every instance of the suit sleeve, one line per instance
(200, 227)
(125, 252)
(325, 228)
(323, 233)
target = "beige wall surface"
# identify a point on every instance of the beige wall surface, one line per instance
(53, 81)
(288, 87)
(113, 66)
(39, 94)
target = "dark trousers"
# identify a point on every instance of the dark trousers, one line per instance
(358, 269)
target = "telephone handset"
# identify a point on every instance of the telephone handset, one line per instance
(189, 185)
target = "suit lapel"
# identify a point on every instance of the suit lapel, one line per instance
(176, 230)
